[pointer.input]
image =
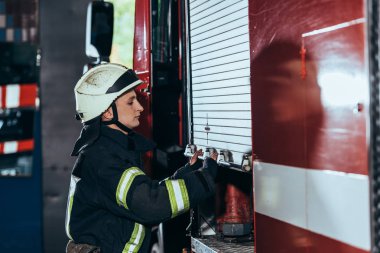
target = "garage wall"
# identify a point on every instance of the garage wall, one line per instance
(62, 39)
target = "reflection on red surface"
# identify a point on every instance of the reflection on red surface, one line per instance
(284, 102)
(142, 61)
(307, 90)
(141, 45)
(339, 56)
(280, 237)
(142, 66)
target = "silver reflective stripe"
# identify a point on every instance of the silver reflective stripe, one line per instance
(137, 237)
(124, 185)
(73, 185)
(179, 198)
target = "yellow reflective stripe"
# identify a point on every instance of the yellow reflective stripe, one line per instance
(73, 184)
(178, 196)
(136, 240)
(69, 213)
(185, 196)
(124, 185)
(173, 202)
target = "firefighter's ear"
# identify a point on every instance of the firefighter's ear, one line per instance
(108, 114)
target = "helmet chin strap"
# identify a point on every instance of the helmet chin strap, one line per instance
(115, 120)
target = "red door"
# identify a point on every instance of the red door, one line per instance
(142, 66)
(310, 104)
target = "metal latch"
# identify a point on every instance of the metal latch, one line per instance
(225, 157)
(190, 150)
(246, 163)
(207, 152)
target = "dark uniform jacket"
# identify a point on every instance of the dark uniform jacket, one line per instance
(112, 203)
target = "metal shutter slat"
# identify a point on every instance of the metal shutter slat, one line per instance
(236, 124)
(206, 5)
(229, 22)
(225, 130)
(246, 98)
(197, 4)
(226, 107)
(221, 115)
(228, 74)
(220, 44)
(220, 68)
(231, 82)
(200, 41)
(225, 91)
(216, 13)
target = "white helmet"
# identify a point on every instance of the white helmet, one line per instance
(100, 86)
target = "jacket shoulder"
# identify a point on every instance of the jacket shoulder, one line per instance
(99, 148)
(104, 153)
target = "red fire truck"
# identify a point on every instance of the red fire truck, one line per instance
(287, 92)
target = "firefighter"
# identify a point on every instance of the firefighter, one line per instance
(112, 203)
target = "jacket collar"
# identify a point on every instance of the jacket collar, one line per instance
(131, 141)
(94, 129)
(89, 134)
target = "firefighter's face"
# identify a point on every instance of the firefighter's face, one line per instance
(128, 110)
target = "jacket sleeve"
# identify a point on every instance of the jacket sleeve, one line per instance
(186, 169)
(128, 192)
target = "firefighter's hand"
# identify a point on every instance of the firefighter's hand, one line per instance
(194, 158)
(210, 165)
(214, 155)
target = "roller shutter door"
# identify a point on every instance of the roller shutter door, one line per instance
(220, 76)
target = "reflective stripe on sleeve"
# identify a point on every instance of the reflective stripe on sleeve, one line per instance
(73, 184)
(179, 198)
(135, 242)
(124, 185)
